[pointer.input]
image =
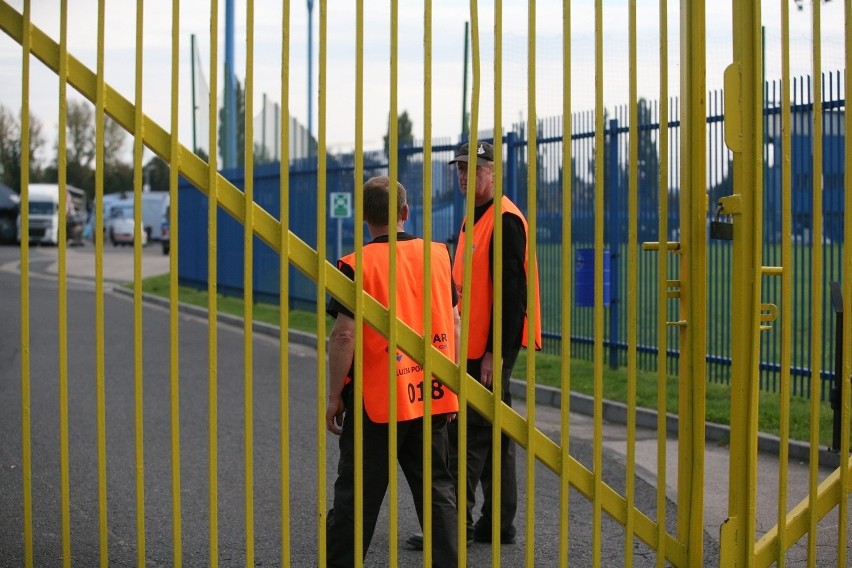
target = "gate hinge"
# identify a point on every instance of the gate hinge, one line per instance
(673, 288)
(768, 314)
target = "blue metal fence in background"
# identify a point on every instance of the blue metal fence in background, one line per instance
(448, 208)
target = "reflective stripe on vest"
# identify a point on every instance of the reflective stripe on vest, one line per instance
(482, 293)
(410, 290)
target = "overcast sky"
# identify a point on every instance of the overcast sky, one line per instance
(447, 68)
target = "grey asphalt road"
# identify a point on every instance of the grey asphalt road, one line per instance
(187, 407)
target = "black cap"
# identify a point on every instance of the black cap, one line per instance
(484, 153)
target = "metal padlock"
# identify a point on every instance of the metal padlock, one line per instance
(721, 230)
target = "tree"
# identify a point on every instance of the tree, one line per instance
(10, 148)
(157, 174)
(81, 146)
(404, 135)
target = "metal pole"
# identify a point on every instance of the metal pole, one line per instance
(310, 73)
(192, 74)
(613, 228)
(263, 130)
(464, 84)
(339, 237)
(836, 398)
(229, 156)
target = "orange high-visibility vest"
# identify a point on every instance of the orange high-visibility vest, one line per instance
(410, 289)
(481, 295)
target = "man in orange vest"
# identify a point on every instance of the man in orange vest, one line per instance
(480, 356)
(412, 386)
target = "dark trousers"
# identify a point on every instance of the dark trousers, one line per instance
(479, 459)
(341, 519)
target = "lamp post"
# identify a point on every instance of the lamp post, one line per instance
(310, 72)
(229, 155)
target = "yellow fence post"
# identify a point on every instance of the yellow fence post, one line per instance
(693, 335)
(174, 349)
(212, 297)
(743, 135)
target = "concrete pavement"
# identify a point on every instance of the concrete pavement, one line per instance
(118, 267)
(118, 262)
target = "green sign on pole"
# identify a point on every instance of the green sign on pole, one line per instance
(341, 205)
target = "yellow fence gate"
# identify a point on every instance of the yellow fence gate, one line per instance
(200, 456)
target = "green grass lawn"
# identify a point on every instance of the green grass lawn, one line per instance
(548, 371)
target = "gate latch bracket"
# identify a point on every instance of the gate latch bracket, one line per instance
(724, 230)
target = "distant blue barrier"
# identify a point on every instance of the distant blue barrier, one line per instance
(448, 206)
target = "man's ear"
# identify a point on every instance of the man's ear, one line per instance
(403, 215)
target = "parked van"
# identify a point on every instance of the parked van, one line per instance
(44, 213)
(154, 205)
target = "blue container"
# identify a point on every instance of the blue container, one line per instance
(584, 277)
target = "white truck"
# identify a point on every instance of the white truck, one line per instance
(154, 206)
(44, 213)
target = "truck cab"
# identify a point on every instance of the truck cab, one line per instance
(44, 213)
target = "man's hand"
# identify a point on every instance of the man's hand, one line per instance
(334, 414)
(486, 370)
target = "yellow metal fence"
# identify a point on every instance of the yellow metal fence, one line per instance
(683, 546)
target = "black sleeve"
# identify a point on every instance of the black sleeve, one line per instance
(454, 290)
(334, 307)
(514, 284)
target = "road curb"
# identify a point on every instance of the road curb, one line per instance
(295, 336)
(614, 412)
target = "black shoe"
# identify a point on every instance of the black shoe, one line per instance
(482, 533)
(415, 541)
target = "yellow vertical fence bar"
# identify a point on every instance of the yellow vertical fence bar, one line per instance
(173, 293)
(248, 286)
(692, 335)
(284, 286)
(61, 164)
(786, 284)
(846, 399)
(212, 295)
(743, 135)
(322, 205)
(466, 283)
(497, 330)
(62, 284)
(817, 281)
(427, 277)
(26, 418)
(632, 280)
(597, 453)
(138, 375)
(567, 247)
(532, 281)
(99, 295)
(393, 336)
(174, 310)
(662, 280)
(359, 275)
